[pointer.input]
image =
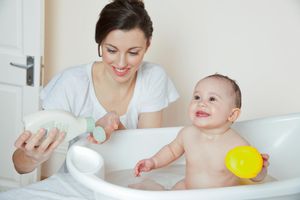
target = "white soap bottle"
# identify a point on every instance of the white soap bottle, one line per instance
(64, 121)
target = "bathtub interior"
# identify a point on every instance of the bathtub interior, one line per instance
(277, 136)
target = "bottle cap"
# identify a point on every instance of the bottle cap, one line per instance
(90, 124)
(99, 134)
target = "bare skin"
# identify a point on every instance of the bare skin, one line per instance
(206, 142)
(205, 168)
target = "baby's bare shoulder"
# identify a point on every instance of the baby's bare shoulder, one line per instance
(187, 132)
(237, 139)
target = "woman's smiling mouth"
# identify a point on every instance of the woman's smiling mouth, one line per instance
(121, 71)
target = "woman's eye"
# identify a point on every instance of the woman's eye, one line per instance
(196, 97)
(212, 99)
(111, 50)
(133, 53)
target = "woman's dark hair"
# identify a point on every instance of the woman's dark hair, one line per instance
(123, 15)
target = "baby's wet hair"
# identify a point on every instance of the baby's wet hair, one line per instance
(235, 87)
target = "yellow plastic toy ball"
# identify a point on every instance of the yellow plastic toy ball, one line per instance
(244, 161)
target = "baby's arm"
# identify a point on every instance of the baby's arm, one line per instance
(263, 173)
(166, 155)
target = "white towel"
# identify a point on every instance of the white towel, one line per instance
(60, 186)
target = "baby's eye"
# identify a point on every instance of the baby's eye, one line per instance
(212, 99)
(196, 97)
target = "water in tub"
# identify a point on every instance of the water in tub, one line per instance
(159, 179)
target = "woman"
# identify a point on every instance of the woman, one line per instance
(121, 91)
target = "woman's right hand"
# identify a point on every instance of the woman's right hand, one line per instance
(34, 149)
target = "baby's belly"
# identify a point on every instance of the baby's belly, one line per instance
(206, 180)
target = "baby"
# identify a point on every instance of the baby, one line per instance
(214, 107)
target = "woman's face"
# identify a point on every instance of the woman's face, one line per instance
(123, 52)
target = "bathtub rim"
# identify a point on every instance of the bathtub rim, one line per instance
(98, 185)
(285, 187)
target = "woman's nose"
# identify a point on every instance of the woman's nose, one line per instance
(122, 61)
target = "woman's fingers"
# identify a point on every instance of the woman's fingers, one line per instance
(35, 140)
(91, 139)
(22, 139)
(51, 137)
(59, 139)
(37, 147)
(114, 122)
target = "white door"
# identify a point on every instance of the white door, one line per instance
(21, 48)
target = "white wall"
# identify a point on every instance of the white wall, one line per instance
(255, 42)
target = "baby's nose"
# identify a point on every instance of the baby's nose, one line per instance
(201, 103)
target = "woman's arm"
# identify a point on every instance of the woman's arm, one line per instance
(111, 122)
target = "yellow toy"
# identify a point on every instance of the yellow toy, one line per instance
(244, 161)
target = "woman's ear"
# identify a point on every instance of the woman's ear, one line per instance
(148, 43)
(235, 113)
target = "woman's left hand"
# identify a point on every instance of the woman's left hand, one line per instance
(109, 122)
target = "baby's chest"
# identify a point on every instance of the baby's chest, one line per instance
(206, 158)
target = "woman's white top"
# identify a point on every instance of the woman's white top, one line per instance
(73, 91)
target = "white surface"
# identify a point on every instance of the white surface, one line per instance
(21, 34)
(58, 187)
(277, 136)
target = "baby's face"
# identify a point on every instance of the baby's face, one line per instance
(212, 103)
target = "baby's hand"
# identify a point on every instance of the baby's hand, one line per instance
(264, 171)
(143, 166)
(109, 122)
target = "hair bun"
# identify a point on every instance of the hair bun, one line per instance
(139, 3)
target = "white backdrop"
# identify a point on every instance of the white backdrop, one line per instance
(255, 42)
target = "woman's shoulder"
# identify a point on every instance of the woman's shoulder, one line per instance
(152, 71)
(67, 89)
(68, 79)
(76, 73)
(148, 67)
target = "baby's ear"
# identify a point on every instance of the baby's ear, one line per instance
(235, 113)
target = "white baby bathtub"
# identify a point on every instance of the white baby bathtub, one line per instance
(278, 136)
